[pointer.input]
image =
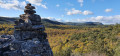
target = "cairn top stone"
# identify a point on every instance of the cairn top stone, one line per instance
(29, 9)
(29, 20)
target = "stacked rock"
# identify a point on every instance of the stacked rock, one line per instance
(29, 38)
(29, 20)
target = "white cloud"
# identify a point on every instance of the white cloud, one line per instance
(62, 15)
(23, 3)
(51, 18)
(108, 10)
(73, 11)
(12, 4)
(87, 12)
(59, 20)
(54, 19)
(57, 5)
(81, 2)
(37, 2)
(93, 0)
(19, 5)
(103, 19)
(70, 4)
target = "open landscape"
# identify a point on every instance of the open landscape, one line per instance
(90, 40)
(59, 27)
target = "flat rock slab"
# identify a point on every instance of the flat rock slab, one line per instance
(25, 43)
(25, 35)
(30, 48)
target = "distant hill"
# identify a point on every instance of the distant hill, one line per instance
(10, 20)
(86, 23)
(7, 20)
(46, 21)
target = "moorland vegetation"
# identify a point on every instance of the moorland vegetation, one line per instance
(66, 40)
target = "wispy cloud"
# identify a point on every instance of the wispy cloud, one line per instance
(81, 2)
(70, 4)
(19, 5)
(37, 2)
(93, 0)
(12, 4)
(108, 10)
(103, 19)
(57, 5)
(73, 11)
(62, 15)
(87, 12)
(54, 19)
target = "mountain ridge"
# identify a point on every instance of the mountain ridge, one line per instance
(10, 20)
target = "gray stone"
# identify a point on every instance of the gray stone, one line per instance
(35, 46)
(29, 38)
(26, 35)
(6, 40)
(29, 20)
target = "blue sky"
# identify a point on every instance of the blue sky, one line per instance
(105, 11)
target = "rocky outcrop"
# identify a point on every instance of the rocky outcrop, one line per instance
(29, 38)
(25, 43)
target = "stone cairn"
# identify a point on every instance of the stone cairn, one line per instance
(29, 38)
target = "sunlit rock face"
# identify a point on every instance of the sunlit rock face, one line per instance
(29, 38)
